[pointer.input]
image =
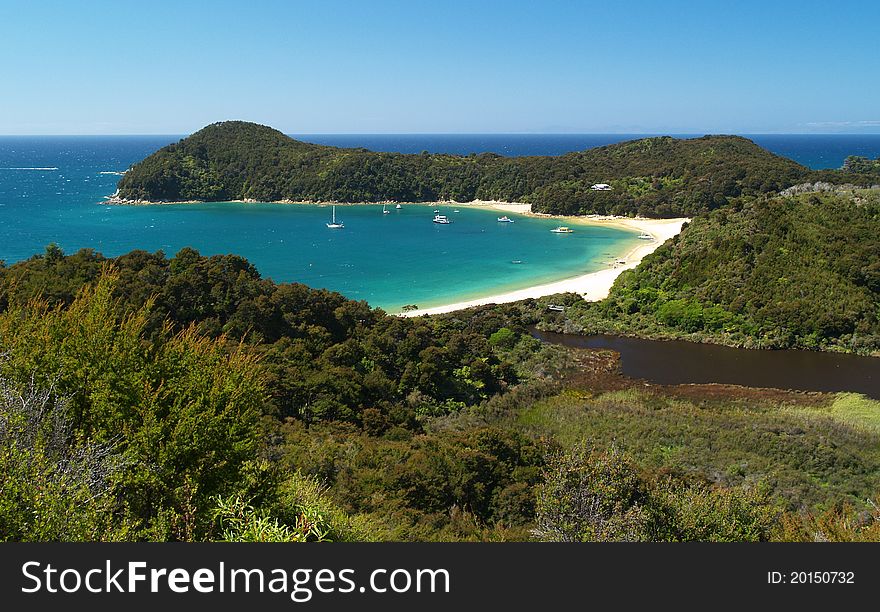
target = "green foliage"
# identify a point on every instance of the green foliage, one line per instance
(324, 357)
(190, 399)
(599, 495)
(809, 459)
(137, 350)
(473, 484)
(839, 524)
(699, 513)
(592, 496)
(504, 337)
(861, 165)
(239, 521)
(53, 486)
(785, 272)
(857, 411)
(684, 314)
(184, 409)
(655, 176)
(305, 515)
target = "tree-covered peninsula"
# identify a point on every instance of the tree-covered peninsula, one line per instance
(659, 177)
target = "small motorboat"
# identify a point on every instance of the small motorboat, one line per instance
(441, 219)
(505, 219)
(562, 229)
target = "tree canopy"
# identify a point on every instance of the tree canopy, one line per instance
(661, 177)
(798, 271)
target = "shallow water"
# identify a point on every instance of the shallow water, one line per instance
(51, 187)
(51, 190)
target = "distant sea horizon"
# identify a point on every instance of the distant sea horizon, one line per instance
(816, 151)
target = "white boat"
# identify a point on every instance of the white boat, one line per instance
(384, 211)
(441, 219)
(562, 229)
(505, 219)
(646, 237)
(334, 224)
(456, 210)
(398, 206)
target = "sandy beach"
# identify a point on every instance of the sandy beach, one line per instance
(593, 286)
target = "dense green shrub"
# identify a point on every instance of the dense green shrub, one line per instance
(182, 410)
(786, 272)
(599, 495)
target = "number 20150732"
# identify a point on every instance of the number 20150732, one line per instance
(811, 577)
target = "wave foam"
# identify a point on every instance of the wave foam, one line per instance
(28, 168)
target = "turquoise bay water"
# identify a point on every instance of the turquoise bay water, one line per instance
(51, 189)
(389, 260)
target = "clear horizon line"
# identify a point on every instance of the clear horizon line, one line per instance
(663, 133)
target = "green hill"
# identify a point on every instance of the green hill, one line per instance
(772, 272)
(660, 176)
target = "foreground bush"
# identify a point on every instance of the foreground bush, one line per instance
(599, 495)
(180, 412)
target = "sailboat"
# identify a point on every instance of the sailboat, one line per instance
(385, 212)
(335, 224)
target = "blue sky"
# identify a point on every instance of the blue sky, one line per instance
(126, 67)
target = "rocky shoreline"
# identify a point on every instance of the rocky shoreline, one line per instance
(116, 200)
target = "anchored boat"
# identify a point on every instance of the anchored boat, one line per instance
(334, 224)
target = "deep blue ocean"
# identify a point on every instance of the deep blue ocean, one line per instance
(52, 190)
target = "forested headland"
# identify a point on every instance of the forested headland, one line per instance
(654, 177)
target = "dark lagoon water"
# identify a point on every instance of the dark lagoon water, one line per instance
(674, 362)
